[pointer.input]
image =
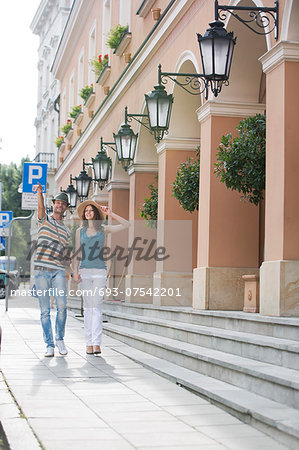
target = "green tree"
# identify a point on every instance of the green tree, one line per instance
(149, 208)
(11, 176)
(185, 187)
(242, 160)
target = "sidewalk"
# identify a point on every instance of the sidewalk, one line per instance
(106, 402)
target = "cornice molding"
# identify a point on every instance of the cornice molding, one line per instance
(118, 186)
(181, 144)
(281, 52)
(229, 109)
(142, 168)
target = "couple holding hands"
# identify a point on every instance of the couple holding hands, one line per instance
(53, 240)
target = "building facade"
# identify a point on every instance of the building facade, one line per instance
(221, 242)
(48, 23)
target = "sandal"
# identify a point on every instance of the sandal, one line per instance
(96, 350)
(89, 350)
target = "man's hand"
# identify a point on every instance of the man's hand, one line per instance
(40, 201)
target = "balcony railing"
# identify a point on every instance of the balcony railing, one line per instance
(48, 158)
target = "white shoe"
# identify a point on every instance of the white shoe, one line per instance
(49, 352)
(61, 347)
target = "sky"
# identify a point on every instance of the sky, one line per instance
(18, 80)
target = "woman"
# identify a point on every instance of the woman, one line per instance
(90, 268)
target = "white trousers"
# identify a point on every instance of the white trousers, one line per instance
(93, 282)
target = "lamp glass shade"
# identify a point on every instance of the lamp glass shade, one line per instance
(125, 142)
(216, 49)
(101, 165)
(82, 184)
(159, 106)
(72, 195)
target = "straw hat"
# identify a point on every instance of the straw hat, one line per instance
(82, 206)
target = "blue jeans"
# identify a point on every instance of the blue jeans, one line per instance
(51, 283)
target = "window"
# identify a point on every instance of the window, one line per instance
(63, 108)
(91, 54)
(80, 76)
(71, 92)
(106, 25)
(125, 12)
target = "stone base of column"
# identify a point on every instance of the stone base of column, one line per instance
(118, 283)
(136, 285)
(220, 288)
(172, 289)
(279, 288)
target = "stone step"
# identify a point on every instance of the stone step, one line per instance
(280, 327)
(279, 384)
(281, 352)
(275, 419)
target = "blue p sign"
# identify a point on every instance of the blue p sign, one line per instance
(34, 173)
(5, 218)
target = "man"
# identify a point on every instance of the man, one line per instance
(53, 240)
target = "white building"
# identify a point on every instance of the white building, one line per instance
(48, 23)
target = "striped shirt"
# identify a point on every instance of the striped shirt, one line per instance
(49, 251)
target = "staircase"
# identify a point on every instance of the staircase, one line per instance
(244, 363)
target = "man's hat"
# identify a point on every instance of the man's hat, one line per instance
(62, 196)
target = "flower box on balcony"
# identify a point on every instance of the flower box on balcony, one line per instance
(145, 7)
(123, 43)
(104, 75)
(69, 134)
(78, 118)
(62, 147)
(90, 99)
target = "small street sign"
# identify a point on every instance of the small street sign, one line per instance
(34, 173)
(2, 243)
(5, 218)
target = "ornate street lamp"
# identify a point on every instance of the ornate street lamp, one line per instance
(216, 50)
(159, 105)
(125, 143)
(72, 195)
(101, 166)
(82, 185)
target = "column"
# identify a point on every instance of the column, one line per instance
(118, 202)
(176, 229)
(141, 237)
(279, 278)
(228, 232)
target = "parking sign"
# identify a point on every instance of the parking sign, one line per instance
(5, 218)
(34, 173)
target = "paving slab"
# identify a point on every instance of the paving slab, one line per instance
(108, 402)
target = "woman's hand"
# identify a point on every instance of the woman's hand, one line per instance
(77, 277)
(106, 210)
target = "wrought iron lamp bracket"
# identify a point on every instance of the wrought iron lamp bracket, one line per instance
(263, 17)
(194, 84)
(129, 117)
(107, 144)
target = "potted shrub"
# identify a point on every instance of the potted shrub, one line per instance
(67, 127)
(115, 35)
(98, 64)
(185, 187)
(76, 110)
(242, 161)
(86, 91)
(58, 141)
(149, 208)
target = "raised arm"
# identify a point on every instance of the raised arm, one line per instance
(122, 223)
(41, 211)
